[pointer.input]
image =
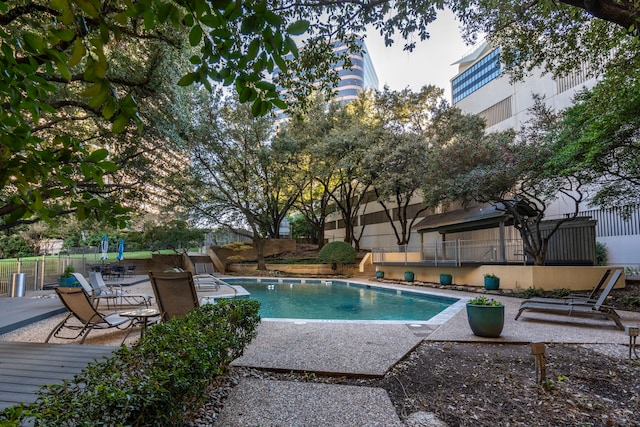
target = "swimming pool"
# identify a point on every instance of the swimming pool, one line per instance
(340, 300)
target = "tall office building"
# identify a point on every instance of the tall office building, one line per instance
(360, 76)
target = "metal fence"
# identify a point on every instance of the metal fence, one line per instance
(455, 252)
(39, 272)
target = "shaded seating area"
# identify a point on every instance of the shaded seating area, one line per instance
(83, 316)
(175, 293)
(112, 270)
(578, 308)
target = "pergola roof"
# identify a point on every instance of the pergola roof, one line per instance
(475, 218)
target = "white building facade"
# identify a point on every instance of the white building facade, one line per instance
(480, 87)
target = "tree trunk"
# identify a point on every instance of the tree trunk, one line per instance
(320, 238)
(259, 243)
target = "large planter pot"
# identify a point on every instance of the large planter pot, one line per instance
(446, 279)
(379, 274)
(491, 283)
(408, 276)
(486, 320)
(68, 282)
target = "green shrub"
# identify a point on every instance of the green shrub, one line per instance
(158, 379)
(601, 254)
(482, 300)
(337, 253)
(531, 292)
(560, 292)
(630, 300)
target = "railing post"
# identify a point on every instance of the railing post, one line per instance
(435, 261)
(36, 270)
(458, 254)
(44, 269)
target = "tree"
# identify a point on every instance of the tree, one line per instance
(600, 135)
(66, 99)
(339, 156)
(307, 128)
(50, 47)
(175, 235)
(238, 180)
(397, 164)
(518, 175)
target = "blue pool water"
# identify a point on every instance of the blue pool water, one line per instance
(338, 300)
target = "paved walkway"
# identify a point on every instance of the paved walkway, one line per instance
(363, 349)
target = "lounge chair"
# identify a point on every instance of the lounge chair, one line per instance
(574, 298)
(95, 296)
(175, 293)
(579, 308)
(205, 268)
(83, 311)
(121, 297)
(204, 280)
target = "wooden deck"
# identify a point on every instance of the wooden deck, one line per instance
(24, 367)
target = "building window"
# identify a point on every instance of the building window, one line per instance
(476, 76)
(497, 112)
(574, 78)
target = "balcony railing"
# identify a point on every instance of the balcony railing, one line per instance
(456, 253)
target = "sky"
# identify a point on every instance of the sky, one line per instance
(429, 63)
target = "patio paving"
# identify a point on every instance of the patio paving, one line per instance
(270, 403)
(359, 349)
(356, 349)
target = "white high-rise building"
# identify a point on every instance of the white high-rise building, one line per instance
(481, 88)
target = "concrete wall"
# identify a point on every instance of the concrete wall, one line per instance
(272, 247)
(623, 250)
(511, 277)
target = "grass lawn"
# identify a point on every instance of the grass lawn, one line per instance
(111, 256)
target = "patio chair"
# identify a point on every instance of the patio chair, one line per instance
(175, 293)
(83, 316)
(579, 308)
(130, 270)
(205, 280)
(574, 298)
(95, 296)
(205, 268)
(114, 292)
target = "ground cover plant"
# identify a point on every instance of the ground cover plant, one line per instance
(154, 382)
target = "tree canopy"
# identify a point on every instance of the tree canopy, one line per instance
(73, 69)
(518, 173)
(237, 179)
(600, 135)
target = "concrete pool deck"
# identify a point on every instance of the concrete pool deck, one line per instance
(367, 349)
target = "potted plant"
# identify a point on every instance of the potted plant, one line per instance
(408, 276)
(491, 282)
(485, 316)
(66, 279)
(379, 274)
(446, 279)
